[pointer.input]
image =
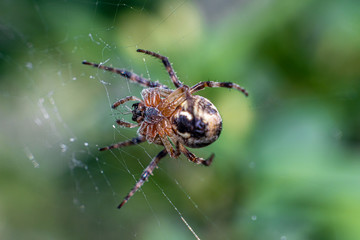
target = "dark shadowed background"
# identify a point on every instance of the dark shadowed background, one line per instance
(287, 165)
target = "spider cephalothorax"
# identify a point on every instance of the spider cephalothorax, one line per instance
(171, 118)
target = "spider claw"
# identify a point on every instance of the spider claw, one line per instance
(208, 161)
(89, 63)
(103, 149)
(122, 204)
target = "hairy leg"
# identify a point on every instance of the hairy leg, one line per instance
(195, 159)
(144, 176)
(124, 100)
(201, 85)
(131, 142)
(129, 75)
(167, 65)
(126, 124)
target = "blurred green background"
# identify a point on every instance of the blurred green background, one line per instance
(287, 162)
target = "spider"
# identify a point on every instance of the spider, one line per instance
(175, 119)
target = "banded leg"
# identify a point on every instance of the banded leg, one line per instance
(129, 75)
(167, 65)
(126, 124)
(195, 159)
(144, 176)
(134, 141)
(201, 85)
(124, 100)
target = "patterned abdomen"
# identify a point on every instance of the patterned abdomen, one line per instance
(198, 122)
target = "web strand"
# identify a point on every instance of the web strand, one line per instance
(180, 214)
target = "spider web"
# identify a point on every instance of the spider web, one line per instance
(59, 112)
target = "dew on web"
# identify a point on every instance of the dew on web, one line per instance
(29, 65)
(104, 83)
(31, 157)
(92, 39)
(37, 121)
(96, 188)
(76, 163)
(63, 147)
(42, 108)
(147, 70)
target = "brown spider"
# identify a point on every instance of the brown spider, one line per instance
(172, 118)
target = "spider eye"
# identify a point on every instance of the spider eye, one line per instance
(138, 114)
(135, 105)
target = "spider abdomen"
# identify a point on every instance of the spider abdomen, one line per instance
(198, 122)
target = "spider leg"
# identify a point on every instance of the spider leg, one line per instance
(173, 100)
(177, 145)
(165, 92)
(167, 65)
(126, 124)
(124, 100)
(201, 85)
(144, 176)
(169, 148)
(129, 75)
(195, 159)
(134, 141)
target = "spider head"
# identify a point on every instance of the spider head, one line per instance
(138, 112)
